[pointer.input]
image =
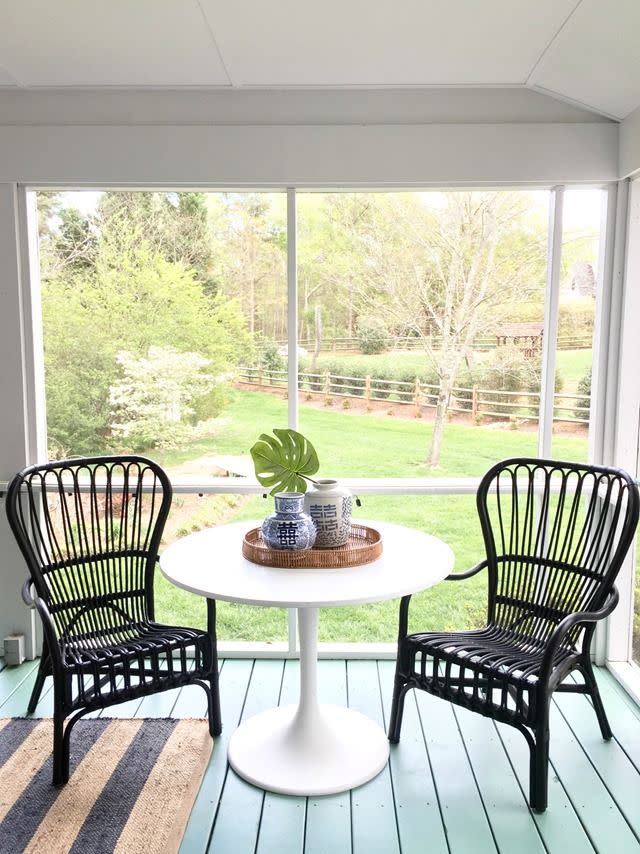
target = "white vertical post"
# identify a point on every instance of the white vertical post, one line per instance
(605, 364)
(292, 351)
(32, 324)
(292, 309)
(550, 338)
(604, 372)
(627, 405)
(22, 435)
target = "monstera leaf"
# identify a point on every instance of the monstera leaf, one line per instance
(284, 462)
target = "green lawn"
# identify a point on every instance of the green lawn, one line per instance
(370, 445)
(573, 365)
(352, 445)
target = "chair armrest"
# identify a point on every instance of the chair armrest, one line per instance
(48, 627)
(459, 576)
(568, 623)
(27, 596)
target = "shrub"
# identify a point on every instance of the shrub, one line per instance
(270, 360)
(380, 387)
(509, 370)
(575, 318)
(355, 385)
(406, 394)
(372, 335)
(584, 387)
(466, 381)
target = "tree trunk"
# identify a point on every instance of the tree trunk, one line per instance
(350, 310)
(444, 396)
(316, 351)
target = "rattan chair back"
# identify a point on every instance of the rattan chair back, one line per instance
(555, 535)
(90, 532)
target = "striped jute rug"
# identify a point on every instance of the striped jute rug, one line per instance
(131, 789)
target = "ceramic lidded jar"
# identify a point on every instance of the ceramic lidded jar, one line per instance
(289, 527)
(330, 506)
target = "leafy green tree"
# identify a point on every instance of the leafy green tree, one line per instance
(132, 298)
(153, 401)
(76, 241)
(330, 258)
(175, 225)
(249, 233)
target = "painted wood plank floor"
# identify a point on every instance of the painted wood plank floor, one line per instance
(455, 784)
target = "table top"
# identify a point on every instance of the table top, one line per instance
(210, 563)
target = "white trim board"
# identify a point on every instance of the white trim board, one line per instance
(310, 156)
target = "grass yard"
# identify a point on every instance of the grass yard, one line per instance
(351, 445)
(573, 365)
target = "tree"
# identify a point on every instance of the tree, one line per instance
(330, 257)
(76, 241)
(153, 401)
(175, 225)
(132, 298)
(443, 272)
(250, 237)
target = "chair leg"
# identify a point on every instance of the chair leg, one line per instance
(592, 685)
(43, 672)
(215, 716)
(539, 768)
(60, 750)
(400, 689)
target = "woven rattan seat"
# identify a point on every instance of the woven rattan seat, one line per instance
(555, 536)
(500, 669)
(90, 530)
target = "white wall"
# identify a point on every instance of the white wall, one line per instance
(630, 145)
(16, 437)
(311, 155)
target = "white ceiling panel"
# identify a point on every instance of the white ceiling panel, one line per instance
(384, 42)
(108, 43)
(595, 59)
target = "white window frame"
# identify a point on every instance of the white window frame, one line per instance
(608, 312)
(626, 427)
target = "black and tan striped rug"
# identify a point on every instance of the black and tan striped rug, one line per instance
(131, 789)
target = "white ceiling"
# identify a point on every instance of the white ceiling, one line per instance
(586, 52)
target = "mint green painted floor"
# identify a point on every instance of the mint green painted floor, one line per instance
(455, 784)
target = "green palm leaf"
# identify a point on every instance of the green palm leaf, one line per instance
(285, 461)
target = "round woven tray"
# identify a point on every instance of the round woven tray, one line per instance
(363, 546)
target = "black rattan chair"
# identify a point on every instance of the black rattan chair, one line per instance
(90, 530)
(555, 535)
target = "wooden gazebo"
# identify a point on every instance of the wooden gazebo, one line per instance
(526, 336)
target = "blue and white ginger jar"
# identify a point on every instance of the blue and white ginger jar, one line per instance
(289, 527)
(330, 505)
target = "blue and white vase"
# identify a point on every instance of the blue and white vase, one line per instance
(289, 527)
(330, 506)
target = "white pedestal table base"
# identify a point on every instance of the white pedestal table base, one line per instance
(276, 751)
(308, 749)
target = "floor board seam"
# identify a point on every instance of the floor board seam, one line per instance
(475, 778)
(445, 829)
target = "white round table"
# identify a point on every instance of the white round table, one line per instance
(308, 749)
